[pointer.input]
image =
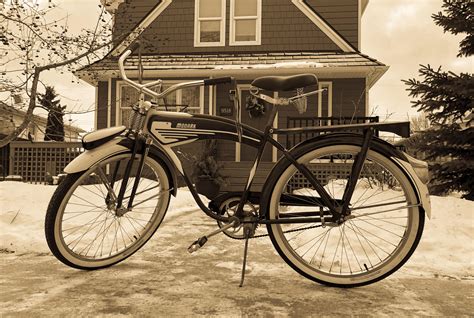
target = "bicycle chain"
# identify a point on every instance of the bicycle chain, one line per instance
(288, 231)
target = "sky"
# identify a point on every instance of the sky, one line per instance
(399, 33)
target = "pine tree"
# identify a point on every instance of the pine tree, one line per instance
(55, 123)
(447, 100)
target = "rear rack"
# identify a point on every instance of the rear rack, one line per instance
(401, 129)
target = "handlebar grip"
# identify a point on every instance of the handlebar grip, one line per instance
(218, 80)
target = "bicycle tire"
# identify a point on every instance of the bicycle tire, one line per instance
(61, 200)
(287, 246)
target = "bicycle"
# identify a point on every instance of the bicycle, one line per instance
(351, 226)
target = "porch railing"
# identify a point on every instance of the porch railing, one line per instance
(295, 122)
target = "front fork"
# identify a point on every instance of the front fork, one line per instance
(141, 145)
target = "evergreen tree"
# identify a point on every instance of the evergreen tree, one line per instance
(55, 123)
(447, 100)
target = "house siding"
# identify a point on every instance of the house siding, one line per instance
(284, 28)
(128, 15)
(342, 15)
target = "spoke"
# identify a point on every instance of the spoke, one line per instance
(104, 234)
(79, 214)
(352, 249)
(105, 181)
(385, 211)
(312, 239)
(325, 246)
(86, 211)
(369, 243)
(360, 243)
(136, 219)
(133, 226)
(152, 197)
(319, 246)
(384, 229)
(377, 205)
(79, 226)
(376, 245)
(86, 205)
(122, 230)
(84, 187)
(99, 232)
(92, 204)
(84, 234)
(335, 252)
(143, 191)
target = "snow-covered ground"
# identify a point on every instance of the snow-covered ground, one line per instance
(446, 248)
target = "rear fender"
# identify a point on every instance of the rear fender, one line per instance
(117, 146)
(332, 139)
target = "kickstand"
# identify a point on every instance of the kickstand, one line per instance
(247, 236)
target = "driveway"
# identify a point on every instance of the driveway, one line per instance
(162, 279)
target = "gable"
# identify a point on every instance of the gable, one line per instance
(284, 28)
(342, 15)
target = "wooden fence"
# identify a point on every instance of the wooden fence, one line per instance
(34, 162)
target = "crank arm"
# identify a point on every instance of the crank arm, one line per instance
(203, 239)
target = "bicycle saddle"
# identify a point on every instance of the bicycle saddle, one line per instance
(285, 83)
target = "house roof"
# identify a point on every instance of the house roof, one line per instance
(238, 63)
(239, 60)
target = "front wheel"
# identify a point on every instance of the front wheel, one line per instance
(378, 237)
(82, 226)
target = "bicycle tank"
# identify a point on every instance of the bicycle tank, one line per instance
(174, 129)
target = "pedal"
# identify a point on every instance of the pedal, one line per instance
(197, 244)
(203, 240)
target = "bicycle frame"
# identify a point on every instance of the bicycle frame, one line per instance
(170, 129)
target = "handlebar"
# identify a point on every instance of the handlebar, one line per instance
(144, 87)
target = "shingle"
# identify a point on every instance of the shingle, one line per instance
(203, 61)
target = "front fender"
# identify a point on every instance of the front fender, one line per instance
(117, 146)
(90, 157)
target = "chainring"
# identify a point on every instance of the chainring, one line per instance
(228, 209)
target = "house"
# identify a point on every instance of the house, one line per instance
(11, 117)
(197, 39)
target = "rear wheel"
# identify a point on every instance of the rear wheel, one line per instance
(379, 236)
(83, 229)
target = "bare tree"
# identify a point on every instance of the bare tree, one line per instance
(33, 39)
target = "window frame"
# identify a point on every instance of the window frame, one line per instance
(328, 85)
(258, 25)
(197, 26)
(179, 96)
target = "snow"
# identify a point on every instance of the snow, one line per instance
(299, 64)
(446, 248)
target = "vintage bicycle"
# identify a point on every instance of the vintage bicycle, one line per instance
(343, 208)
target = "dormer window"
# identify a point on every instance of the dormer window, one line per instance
(209, 23)
(245, 22)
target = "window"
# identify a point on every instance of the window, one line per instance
(209, 23)
(245, 22)
(188, 100)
